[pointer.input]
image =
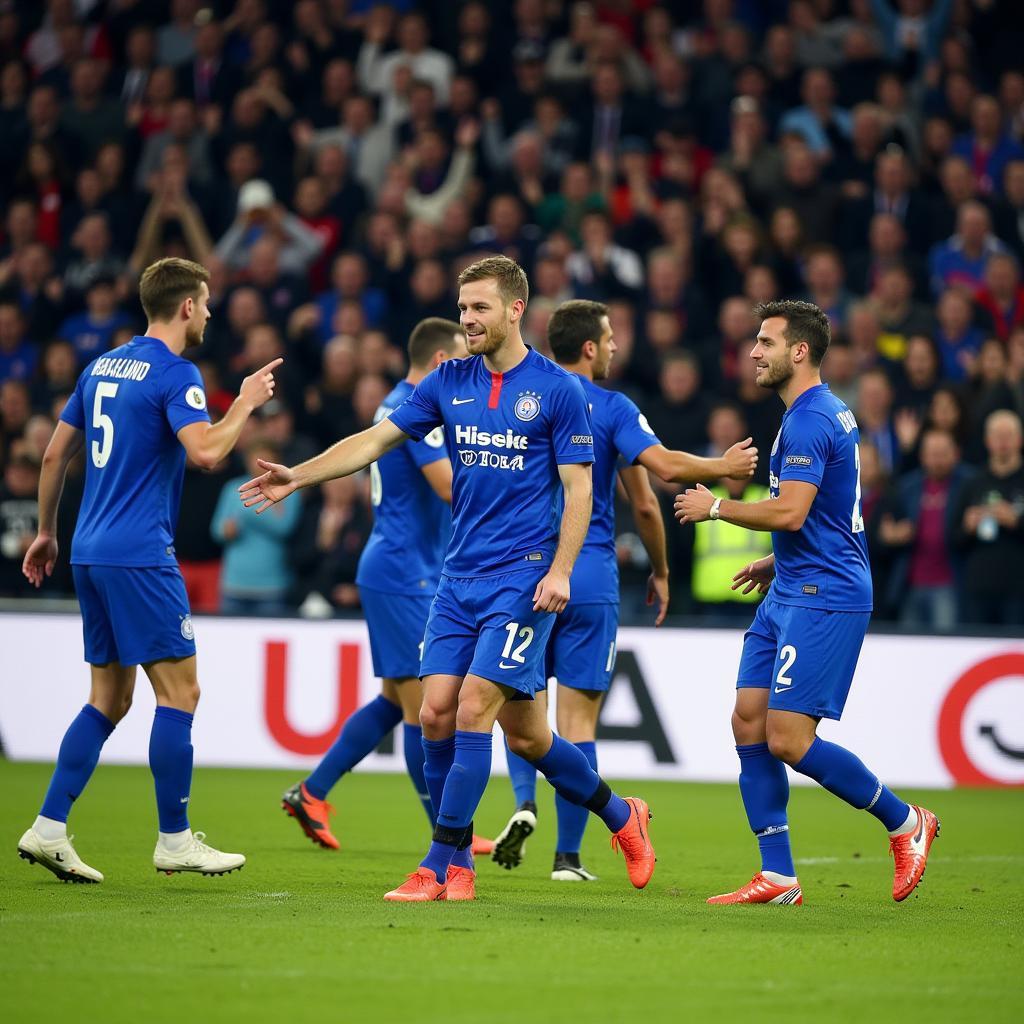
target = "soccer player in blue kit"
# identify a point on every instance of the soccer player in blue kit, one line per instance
(137, 410)
(800, 652)
(518, 434)
(411, 491)
(581, 651)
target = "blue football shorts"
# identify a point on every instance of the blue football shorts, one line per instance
(396, 624)
(488, 627)
(806, 657)
(133, 616)
(581, 651)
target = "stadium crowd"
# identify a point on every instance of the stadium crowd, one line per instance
(335, 164)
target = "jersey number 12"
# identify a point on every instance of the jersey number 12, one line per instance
(101, 421)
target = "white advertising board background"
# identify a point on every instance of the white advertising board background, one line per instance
(923, 711)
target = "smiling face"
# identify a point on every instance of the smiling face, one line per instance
(773, 358)
(485, 317)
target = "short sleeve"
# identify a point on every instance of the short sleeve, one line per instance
(632, 433)
(73, 412)
(430, 449)
(806, 447)
(183, 396)
(420, 413)
(572, 433)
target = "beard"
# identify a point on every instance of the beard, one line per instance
(775, 375)
(602, 370)
(194, 336)
(490, 341)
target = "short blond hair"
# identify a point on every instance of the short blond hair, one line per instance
(511, 277)
(166, 284)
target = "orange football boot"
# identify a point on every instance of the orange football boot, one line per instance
(311, 814)
(910, 851)
(761, 890)
(421, 886)
(482, 847)
(635, 842)
(461, 884)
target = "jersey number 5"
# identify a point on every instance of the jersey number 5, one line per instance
(101, 421)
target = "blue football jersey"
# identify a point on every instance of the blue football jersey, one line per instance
(621, 431)
(824, 564)
(411, 523)
(506, 435)
(131, 403)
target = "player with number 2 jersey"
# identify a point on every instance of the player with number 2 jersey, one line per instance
(801, 651)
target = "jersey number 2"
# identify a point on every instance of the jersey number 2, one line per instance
(857, 520)
(101, 421)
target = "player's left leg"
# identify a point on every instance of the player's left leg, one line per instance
(47, 842)
(817, 687)
(510, 843)
(567, 769)
(576, 716)
(176, 687)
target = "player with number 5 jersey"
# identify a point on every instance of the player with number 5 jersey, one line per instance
(801, 651)
(138, 411)
(519, 437)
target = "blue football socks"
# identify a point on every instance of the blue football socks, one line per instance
(438, 758)
(523, 777)
(572, 818)
(412, 748)
(845, 775)
(764, 786)
(567, 769)
(76, 760)
(170, 760)
(463, 789)
(359, 736)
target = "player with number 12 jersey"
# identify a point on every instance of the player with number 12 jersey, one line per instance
(518, 434)
(801, 651)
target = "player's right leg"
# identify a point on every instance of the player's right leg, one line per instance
(46, 842)
(764, 784)
(510, 843)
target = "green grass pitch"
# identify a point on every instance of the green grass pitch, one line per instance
(301, 934)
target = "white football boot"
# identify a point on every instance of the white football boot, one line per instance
(58, 856)
(195, 855)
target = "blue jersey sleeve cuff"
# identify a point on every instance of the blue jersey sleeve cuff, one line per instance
(185, 421)
(807, 476)
(405, 428)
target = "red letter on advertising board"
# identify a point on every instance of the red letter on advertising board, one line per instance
(276, 704)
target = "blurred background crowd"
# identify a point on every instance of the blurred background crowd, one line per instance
(335, 163)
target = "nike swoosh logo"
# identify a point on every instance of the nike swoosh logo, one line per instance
(920, 827)
(502, 664)
(462, 401)
(781, 689)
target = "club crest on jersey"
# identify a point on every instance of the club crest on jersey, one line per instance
(527, 406)
(187, 631)
(468, 458)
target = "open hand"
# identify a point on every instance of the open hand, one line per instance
(271, 487)
(757, 574)
(657, 590)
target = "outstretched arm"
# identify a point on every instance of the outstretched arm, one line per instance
(42, 553)
(348, 456)
(552, 593)
(739, 462)
(651, 527)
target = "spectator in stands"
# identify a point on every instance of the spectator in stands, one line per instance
(874, 417)
(1000, 300)
(961, 259)
(957, 338)
(825, 127)
(988, 146)
(991, 516)
(377, 72)
(257, 575)
(920, 528)
(92, 331)
(18, 353)
(19, 520)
